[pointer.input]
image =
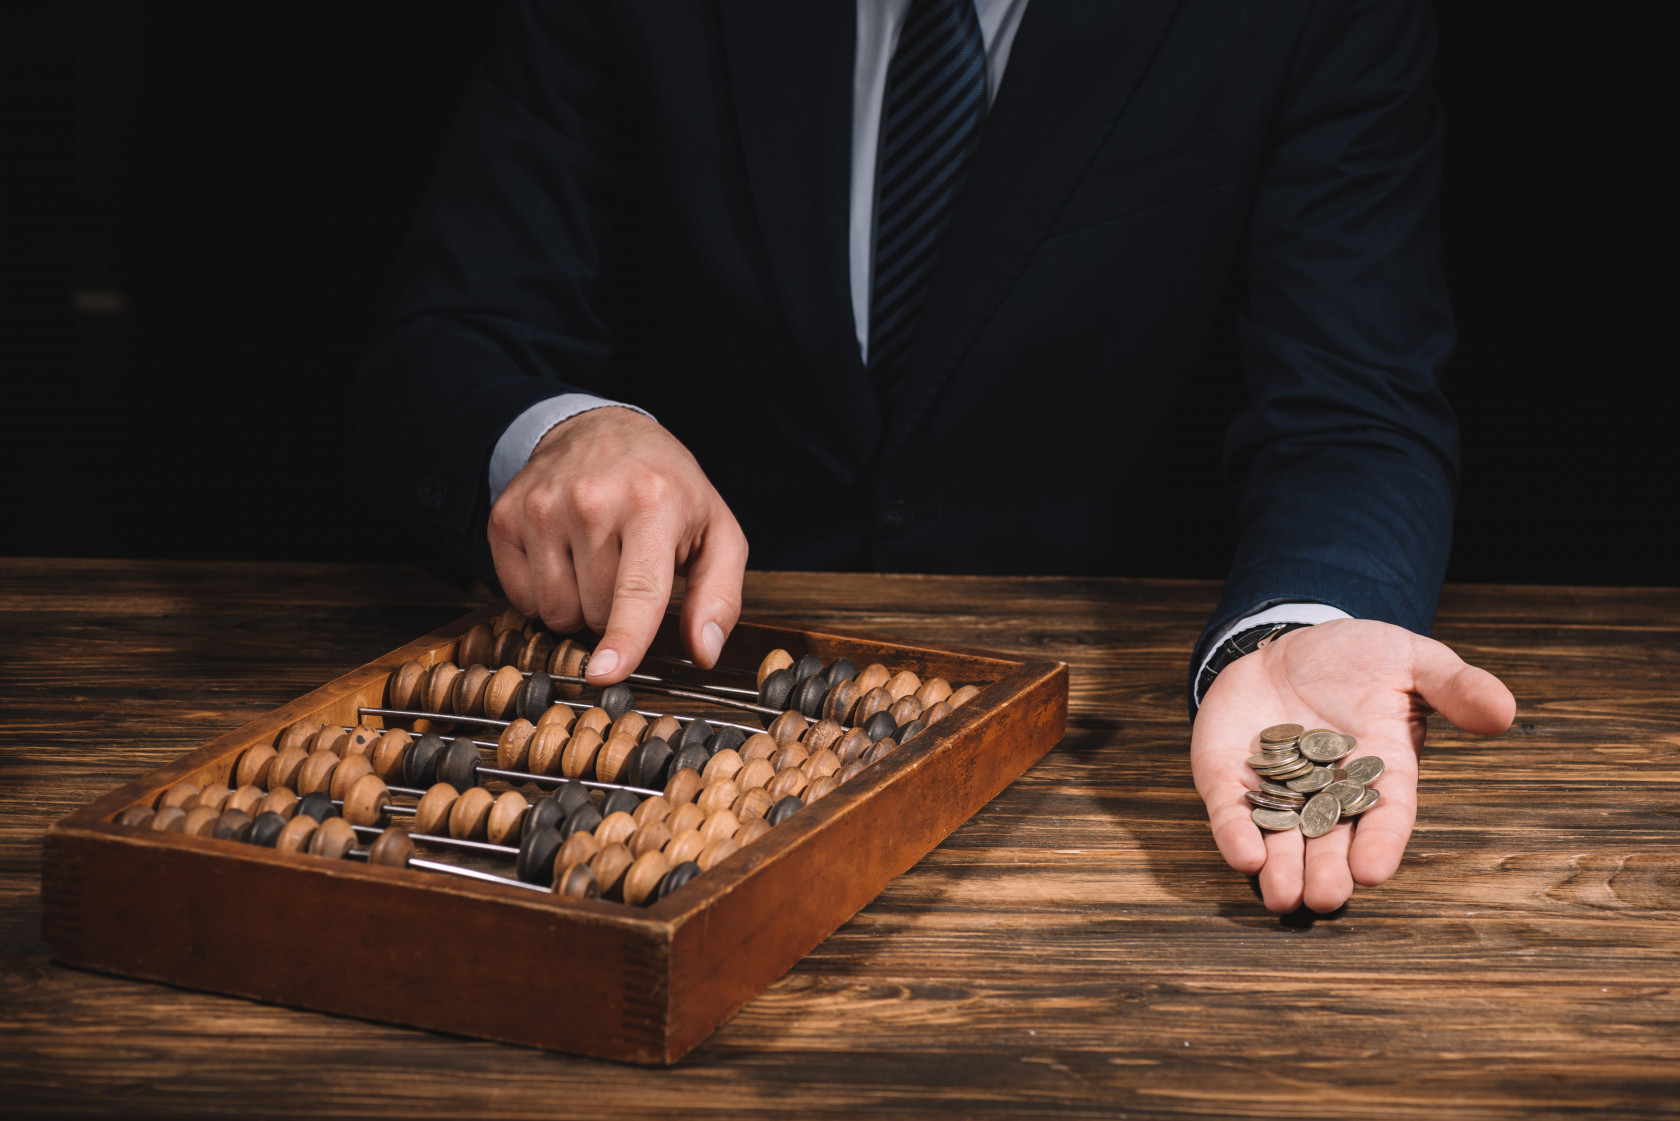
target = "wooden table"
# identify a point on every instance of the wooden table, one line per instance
(1078, 949)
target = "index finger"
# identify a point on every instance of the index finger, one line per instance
(641, 590)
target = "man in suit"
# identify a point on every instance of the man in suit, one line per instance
(911, 285)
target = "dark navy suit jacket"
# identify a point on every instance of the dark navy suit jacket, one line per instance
(648, 200)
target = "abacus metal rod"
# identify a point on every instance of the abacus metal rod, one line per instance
(649, 679)
(488, 722)
(685, 694)
(441, 841)
(561, 780)
(450, 869)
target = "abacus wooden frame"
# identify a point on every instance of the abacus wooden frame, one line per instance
(502, 963)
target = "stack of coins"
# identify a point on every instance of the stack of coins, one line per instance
(1303, 782)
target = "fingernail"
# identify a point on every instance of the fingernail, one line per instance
(711, 640)
(603, 662)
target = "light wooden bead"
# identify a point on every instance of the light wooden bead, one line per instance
(514, 744)
(350, 770)
(468, 697)
(281, 800)
(134, 817)
(575, 881)
(569, 658)
(751, 804)
(756, 774)
(643, 876)
(791, 756)
(557, 716)
(609, 866)
(167, 820)
(685, 817)
(365, 801)
(213, 797)
(558, 655)
(545, 748)
(652, 837)
(388, 753)
(717, 852)
(505, 653)
(178, 795)
(788, 727)
(656, 808)
(840, 701)
(578, 758)
(579, 848)
(360, 740)
(905, 709)
(537, 649)
(595, 718)
(330, 738)
(751, 830)
(198, 821)
(876, 700)
(852, 745)
(773, 661)
(719, 825)
(725, 764)
(821, 765)
(252, 768)
(615, 829)
(824, 733)
(933, 690)
(684, 846)
(846, 773)
(963, 696)
(431, 816)
(682, 788)
(283, 770)
(874, 676)
(791, 781)
(244, 799)
(402, 688)
(391, 849)
(297, 735)
(469, 817)
(935, 712)
(609, 763)
(506, 818)
(439, 693)
(499, 693)
(903, 684)
(719, 795)
(295, 836)
(759, 745)
(332, 839)
(820, 787)
(632, 724)
(508, 620)
(475, 647)
(881, 750)
(666, 727)
(316, 772)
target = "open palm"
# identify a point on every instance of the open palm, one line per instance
(1374, 681)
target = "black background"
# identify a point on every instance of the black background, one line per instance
(240, 174)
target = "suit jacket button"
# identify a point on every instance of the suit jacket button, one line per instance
(894, 517)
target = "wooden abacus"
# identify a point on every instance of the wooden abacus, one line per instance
(732, 834)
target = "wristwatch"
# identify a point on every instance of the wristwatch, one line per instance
(1243, 642)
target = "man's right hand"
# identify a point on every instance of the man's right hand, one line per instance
(591, 531)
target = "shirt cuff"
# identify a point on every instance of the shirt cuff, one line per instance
(1309, 613)
(521, 438)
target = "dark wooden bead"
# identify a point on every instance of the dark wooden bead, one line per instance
(570, 795)
(727, 738)
(905, 731)
(265, 830)
(419, 765)
(535, 864)
(617, 700)
(676, 878)
(507, 648)
(694, 757)
(458, 766)
(808, 666)
(880, 726)
(619, 801)
(548, 813)
(695, 733)
(231, 825)
(653, 764)
(317, 806)
(776, 688)
(585, 817)
(537, 696)
(841, 669)
(784, 809)
(808, 698)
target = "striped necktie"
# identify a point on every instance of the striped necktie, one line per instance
(931, 115)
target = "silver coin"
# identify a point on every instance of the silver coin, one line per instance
(1347, 792)
(1366, 769)
(1276, 820)
(1264, 760)
(1277, 788)
(1304, 767)
(1271, 802)
(1324, 746)
(1366, 801)
(1320, 815)
(1312, 782)
(1281, 733)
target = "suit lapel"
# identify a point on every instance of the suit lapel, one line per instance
(790, 65)
(1071, 71)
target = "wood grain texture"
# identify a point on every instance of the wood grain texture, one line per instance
(1077, 949)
